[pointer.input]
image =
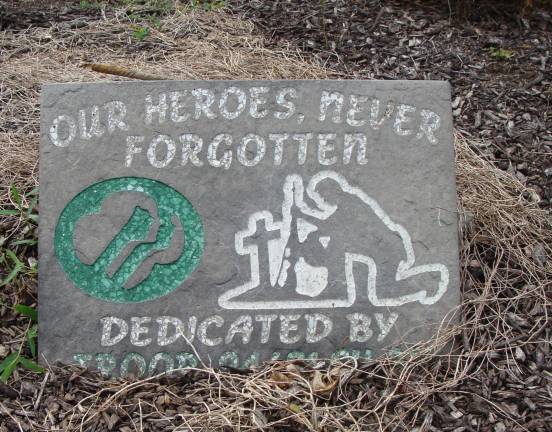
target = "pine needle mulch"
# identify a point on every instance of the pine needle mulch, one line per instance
(492, 372)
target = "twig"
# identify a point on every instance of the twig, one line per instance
(44, 381)
(376, 20)
(111, 69)
(7, 411)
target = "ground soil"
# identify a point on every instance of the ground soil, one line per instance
(503, 95)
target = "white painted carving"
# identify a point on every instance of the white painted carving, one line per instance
(242, 326)
(288, 324)
(349, 142)
(191, 146)
(375, 120)
(303, 140)
(132, 149)
(226, 158)
(325, 146)
(241, 98)
(312, 280)
(96, 129)
(430, 123)
(116, 113)
(160, 109)
(324, 241)
(71, 130)
(176, 105)
(304, 228)
(285, 103)
(316, 333)
(243, 150)
(179, 330)
(107, 328)
(137, 330)
(278, 146)
(266, 322)
(215, 320)
(356, 102)
(359, 327)
(153, 152)
(385, 325)
(402, 118)
(256, 101)
(327, 99)
(205, 98)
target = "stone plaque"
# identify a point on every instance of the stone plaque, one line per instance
(230, 222)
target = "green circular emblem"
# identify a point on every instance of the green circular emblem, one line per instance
(129, 239)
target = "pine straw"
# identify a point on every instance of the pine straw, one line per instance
(189, 45)
(490, 372)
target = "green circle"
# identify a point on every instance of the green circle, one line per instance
(93, 278)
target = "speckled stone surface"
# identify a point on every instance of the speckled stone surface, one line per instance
(243, 221)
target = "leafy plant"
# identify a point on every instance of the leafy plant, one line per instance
(500, 53)
(207, 5)
(154, 21)
(16, 358)
(156, 6)
(85, 4)
(15, 267)
(25, 209)
(140, 33)
(26, 212)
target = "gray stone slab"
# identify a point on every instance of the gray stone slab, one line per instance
(243, 220)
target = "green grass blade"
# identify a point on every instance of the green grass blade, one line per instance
(32, 346)
(15, 271)
(9, 212)
(32, 205)
(31, 365)
(27, 311)
(14, 258)
(8, 360)
(31, 335)
(14, 193)
(29, 242)
(33, 330)
(8, 371)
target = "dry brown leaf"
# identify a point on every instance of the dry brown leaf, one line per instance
(322, 384)
(280, 379)
(291, 367)
(111, 69)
